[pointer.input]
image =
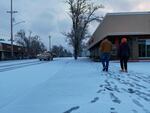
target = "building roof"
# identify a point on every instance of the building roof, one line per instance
(126, 23)
(7, 41)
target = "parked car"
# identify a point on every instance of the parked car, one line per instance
(45, 56)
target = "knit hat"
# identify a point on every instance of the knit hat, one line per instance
(123, 40)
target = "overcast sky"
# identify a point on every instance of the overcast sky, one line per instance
(49, 17)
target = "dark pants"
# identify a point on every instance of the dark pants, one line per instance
(123, 63)
(105, 57)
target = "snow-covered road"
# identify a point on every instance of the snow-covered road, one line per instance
(68, 86)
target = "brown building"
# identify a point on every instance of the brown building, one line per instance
(135, 26)
(5, 51)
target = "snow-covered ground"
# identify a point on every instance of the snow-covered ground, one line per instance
(68, 86)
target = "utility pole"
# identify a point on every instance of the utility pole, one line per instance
(11, 25)
(50, 43)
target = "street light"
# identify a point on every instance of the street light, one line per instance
(50, 43)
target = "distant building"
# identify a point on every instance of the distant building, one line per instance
(5, 51)
(135, 26)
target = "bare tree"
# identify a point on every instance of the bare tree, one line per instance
(60, 51)
(82, 13)
(33, 44)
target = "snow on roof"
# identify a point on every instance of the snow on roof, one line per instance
(7, 41)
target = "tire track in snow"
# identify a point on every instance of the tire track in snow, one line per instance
(20, 65)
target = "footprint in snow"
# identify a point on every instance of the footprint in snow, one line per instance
(72, 109)
(130, 90)
(134, 79)
(107, 82)
(99, 91)
(146, 111)
(95, 100)
(137, 103)
(135, 111)
(113, 110)
(145, 96)
(101, 85)
(109, 88)
(140, 86)
(116, 88)
(115, 99)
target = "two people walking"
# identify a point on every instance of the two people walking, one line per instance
(123, 54)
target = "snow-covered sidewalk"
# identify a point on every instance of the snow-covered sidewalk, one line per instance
(69, 86)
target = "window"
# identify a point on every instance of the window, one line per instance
(144, 47)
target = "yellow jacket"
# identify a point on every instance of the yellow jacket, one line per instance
(106, 46)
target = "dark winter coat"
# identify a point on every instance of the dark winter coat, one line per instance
(124, 50)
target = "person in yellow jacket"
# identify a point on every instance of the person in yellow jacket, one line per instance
(105, 50)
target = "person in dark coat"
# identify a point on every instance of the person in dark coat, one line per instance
(124, 53)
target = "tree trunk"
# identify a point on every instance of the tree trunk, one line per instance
(75, 55)
(76, 48)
